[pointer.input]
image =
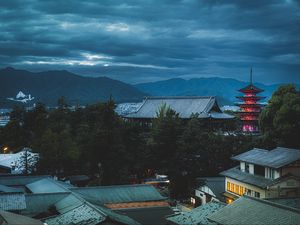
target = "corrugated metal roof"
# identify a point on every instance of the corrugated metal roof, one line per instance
(68, 203)
(197, 216)
(15, 219)
(4, 188)
(12, 201)
(250, 211)
(275, 158)
(39, 203)
(16, 180)
(46, 185)
(184, 106)
(255, 180)
(120, 193)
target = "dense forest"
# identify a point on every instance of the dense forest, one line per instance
(95, 141)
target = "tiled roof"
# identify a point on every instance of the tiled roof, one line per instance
(275, 158)
(293, 202)
(148, 215)
(75, 210)
(253, 211)
(197, 216)
(80, 215)
(255, 180)
(205, 107)
(12, 201)
(120, 193)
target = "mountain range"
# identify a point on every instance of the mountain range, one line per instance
(225, 89)
(48, 86)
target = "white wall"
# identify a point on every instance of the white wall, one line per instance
(251, 168)
(242, 165)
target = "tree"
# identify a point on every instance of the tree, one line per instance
(280, 120)
(166, 130)
(28, 161)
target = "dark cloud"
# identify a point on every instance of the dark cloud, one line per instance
(138, 41)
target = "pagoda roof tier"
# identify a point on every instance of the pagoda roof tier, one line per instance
(251, 89)
(250, 97)
(244, 113)
(252, 119)
(243, 104)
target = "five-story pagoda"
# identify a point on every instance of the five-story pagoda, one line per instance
(249, 107)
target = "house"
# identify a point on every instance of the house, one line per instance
(264, 174)
(197, 216)
(204, 107)
(209, 189)
(252, 211)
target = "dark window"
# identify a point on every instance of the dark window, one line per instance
(256, 194)
(246, 167)
(259, 170)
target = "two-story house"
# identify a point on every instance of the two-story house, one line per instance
(264, 174)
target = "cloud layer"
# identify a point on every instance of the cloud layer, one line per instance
(140, 41)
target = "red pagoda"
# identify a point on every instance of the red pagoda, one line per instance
(249, 107)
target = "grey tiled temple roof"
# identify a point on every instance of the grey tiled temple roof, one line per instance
(205, 107)
(275, 158)
(253, 211)
(120, 193)
(236, 173)
(197, 216)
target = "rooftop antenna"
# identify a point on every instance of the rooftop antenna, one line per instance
(251, 75)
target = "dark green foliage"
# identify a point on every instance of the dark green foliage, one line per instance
(280, 120)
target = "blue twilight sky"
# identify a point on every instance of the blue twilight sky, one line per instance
(147, 40)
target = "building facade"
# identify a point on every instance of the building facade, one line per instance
(264, 174)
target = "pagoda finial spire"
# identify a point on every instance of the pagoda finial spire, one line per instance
(251, 75)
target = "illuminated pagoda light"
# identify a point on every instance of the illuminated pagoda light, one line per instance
(250, 108)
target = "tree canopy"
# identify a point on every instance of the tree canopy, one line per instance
(280, 120)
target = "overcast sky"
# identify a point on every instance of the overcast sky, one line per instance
(148, 40)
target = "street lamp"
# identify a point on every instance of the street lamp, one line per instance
(5, 149)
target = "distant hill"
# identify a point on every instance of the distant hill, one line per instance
(48, 86)
(224, 88)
